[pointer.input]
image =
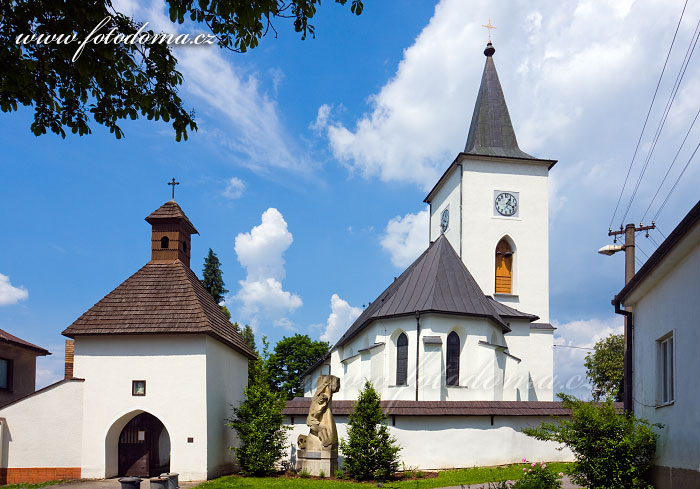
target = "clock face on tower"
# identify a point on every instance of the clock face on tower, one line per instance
(506, 203)
(445, 220)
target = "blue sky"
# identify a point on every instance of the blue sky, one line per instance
(317, 155)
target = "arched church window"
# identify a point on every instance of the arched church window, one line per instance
(184, 246)
(164, 242)
(452, 359)
(504, 267)
(401, 359)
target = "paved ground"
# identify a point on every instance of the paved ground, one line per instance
(112, 484)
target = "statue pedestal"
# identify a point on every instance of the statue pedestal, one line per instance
(316, 461)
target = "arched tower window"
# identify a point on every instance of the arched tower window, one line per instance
(452, 359)
(401, 359)
(504, 267)
(164, 242)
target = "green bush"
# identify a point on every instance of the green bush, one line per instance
(304, 474)
(612, 450)
(339, 474)
(258, 423)
(370, 451)
(537, 476)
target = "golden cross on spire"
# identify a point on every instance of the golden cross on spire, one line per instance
(489, 27)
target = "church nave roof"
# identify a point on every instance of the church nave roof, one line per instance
(437, 282)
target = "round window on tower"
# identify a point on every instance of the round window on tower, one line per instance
(445, 219)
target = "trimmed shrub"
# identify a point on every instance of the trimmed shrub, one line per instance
(370, 451)
(612, 450)
(258, 423)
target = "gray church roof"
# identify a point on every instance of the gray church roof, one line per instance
(437, 282)
(491, 132)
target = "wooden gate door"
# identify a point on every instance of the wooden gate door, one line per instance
(135, 445)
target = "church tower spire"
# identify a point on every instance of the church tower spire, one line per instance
(491, 132)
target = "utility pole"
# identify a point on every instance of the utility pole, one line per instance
(629, 233)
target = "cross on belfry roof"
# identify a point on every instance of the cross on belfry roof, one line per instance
(173, 183)
(489, 27)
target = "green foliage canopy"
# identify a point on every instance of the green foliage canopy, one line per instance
(605, 368)
(369, 450)
(115, 81)
(291, 357)
(612, 450)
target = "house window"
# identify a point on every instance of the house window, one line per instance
(666, 355)
(401, 359)
(452, 359)
(504, 267)
(5, 374)
(138, 387)
(164, 242)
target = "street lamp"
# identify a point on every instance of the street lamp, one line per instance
(610, 250)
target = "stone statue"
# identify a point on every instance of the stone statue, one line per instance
(318, 451)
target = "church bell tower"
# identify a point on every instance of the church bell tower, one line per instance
(170, 235)
(492, 205)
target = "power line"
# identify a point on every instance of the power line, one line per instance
(662, 234)
(653, 240)
(670, 192)
(643, 252)
(674, 91)
(612, 219)
(671, 166)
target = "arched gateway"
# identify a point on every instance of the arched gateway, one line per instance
(144, 447)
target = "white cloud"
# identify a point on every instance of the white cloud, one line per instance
(341, 317)
(562, 69)
(234, 188)
(9, 294)
(260, 252)
(250, 132)
(570, 374)
(405, 238)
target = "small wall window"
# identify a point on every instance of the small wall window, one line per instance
(164, 242)
(402, 359)
(452, 359)
(5, 374)
(666, 354)
(184, 246)
(504, 267)
(138, 387)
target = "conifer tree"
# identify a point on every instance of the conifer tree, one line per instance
(213, 280)
(370, 450)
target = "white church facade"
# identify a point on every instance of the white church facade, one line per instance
(460, 346)
(151, 373)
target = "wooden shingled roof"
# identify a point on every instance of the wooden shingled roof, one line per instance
(161, 298)
(300, 406)
(170, 211)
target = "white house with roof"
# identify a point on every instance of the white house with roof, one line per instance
(662, 302)
(151, 373)
(459, 346)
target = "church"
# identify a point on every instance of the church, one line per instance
(459, 346)
(151, 373)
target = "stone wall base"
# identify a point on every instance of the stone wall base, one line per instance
(33, 475)
(314, 463)
(674, 478)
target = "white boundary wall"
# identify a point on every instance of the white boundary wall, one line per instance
(44, 429)
(445, 442)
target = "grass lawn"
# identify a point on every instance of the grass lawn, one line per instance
(445, 478)
(31, 486)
